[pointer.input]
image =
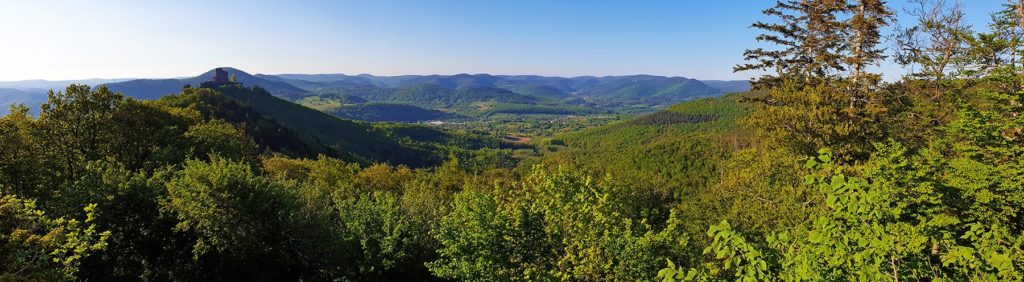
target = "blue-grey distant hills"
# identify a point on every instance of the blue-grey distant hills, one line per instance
(30, 98)
(40, 85)
(32, 93)
(431, 95)
(627, 87)
(156, 88)
(607, 90)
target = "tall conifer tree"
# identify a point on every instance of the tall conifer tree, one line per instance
(808, 35)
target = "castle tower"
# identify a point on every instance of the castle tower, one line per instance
(220, 76)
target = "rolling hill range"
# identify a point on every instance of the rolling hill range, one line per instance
(30, 98)
(413, 98)
(608, 90)
(149, 89)
(466, 101)
(484, 94)
(562, 84)
(44, 85)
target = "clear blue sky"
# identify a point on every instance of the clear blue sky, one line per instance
(148, 39)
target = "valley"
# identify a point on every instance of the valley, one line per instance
(534, 106)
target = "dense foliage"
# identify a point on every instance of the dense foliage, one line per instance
(202, 185)
(918, 179)
(823, 173)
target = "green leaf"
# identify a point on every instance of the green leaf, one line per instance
(808, 179)
(825, 158)
(814, 237)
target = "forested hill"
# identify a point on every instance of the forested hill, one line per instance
(149, 89)
(461, 94)
(376, 98)
(29, 98)
(563, 84)
(668, 153)
(609, 91)
(359, 140)
(269, 134)
(638, 88)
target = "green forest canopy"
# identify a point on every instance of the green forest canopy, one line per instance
(823, 172)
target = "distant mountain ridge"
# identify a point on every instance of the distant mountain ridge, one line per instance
(299, 85)
(567, 84)
(155, 88)
(460, 93)
(29, 98)
(601, 92)
(41, 85)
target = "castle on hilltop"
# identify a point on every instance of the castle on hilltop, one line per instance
(220, 78)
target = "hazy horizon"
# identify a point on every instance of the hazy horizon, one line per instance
(352, 74)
